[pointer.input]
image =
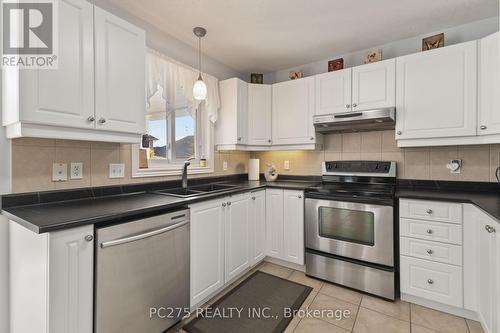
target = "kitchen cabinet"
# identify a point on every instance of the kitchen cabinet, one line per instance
(333, 92)
(51, 280)
(259, 114)
(489, 85)
(231, 127)
(100, 74)
(207, 249)
(293, 109)
(120, 73)
(436, 93)
(374, 85)
(236, 217)
(257, 226)
(285, 225)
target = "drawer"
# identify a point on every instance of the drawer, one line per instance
(431, 280)
(434, 231)
(431, 210)
(434, 251)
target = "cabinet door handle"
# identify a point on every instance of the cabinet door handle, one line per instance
(490, 229)
(89, 238)
(269, 141)
(299, 196)
(429, 211)
(91, 119)
(354, 105)
(483, 127)
(239, 138)
(223, 204)
(430, 281)
(253, 198)
(311, 138)
(348, 106)
(102, 120)
(429, 231)
(399, 132)
(229, 203)
(430, 252)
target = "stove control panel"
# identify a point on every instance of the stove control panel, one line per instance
(386, 168)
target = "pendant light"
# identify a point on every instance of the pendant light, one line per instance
(199, 88)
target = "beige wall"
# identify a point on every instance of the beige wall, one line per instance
(479, 162)
(32, 161)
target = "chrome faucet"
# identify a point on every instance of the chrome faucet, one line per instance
(185, 173)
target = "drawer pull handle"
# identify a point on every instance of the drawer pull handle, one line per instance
(490, 229)
(429, 231)
(89, 238)
(430, 281)
(430, 252)
(429, 211)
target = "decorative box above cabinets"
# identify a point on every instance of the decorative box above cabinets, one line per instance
(96, 93)
(439, 99)
(293, 111)
(365, 87)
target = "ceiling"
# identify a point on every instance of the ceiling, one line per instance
(268, 35)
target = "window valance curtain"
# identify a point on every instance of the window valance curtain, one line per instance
(175, 78)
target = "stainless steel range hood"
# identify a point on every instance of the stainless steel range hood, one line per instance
(356, 121)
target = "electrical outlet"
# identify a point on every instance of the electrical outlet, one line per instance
(117, 170)
(286, 165)
(76, 170)
(455, 166)
(224, 166)
(59, 172)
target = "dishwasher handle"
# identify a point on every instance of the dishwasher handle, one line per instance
(142, 236)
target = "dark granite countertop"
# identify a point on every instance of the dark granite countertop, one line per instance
(50, 214)
(485, 196)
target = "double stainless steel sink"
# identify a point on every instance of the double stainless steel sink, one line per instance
(197, 190)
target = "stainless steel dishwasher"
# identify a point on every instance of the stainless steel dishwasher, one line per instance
(140, 265)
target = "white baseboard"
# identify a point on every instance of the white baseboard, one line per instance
(440, 307)
(286, 264)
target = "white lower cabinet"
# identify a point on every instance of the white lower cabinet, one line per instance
(257, 226)
(207, 249)
(285, 225)
(51, 280)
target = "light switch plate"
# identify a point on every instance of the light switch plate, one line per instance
(117, 170)
(224, 165)
(286, 165)
(76, 170)
(59, 172)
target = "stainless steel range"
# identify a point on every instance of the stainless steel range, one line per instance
(349, 226)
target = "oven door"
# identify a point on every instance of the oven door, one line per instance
(353, 230)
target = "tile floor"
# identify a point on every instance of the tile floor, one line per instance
(368, 314)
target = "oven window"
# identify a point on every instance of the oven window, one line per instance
(348, 225)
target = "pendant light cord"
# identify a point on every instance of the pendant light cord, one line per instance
(199, 55)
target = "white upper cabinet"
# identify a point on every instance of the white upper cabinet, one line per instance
(96, 93)
(120, 49)
(436, 93)
(259, 114)
(231, 126)
(374, 85)
(293, 109)
(489, 85)
(62, 96)
(333, 92)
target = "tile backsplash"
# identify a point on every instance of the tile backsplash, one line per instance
(32, 161)
(429, 163)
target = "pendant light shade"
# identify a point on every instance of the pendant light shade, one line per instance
(199, 88)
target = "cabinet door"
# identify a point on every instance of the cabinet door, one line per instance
(274, 223)
(496, 278)
(242, 113)
(71, 278)
(207, 249)
(120, 52)
(293, 109)
(489, 85)
(259, 114)
(436, 93)
(236, 229)
(64, 96)
(333, 92)
(231, 125)
(257, 222)
(487, 269)
(374, 85)
(293, 215)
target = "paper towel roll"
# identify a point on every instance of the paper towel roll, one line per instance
(253, 169)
